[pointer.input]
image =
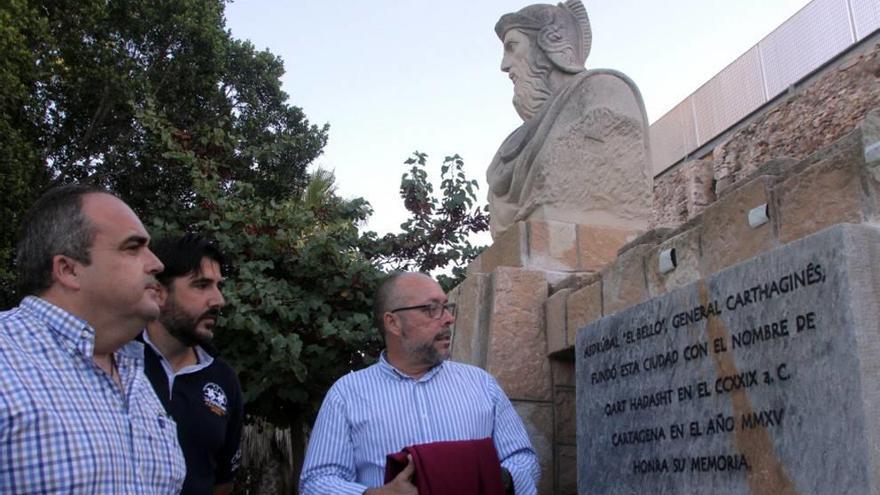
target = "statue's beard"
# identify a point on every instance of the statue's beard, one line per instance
(530, 91)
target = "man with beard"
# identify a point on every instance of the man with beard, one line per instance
(581, 155)
(198, 389)
(411, 396)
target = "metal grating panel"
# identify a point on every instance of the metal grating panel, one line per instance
(807, 40)
(816, 34)
(866, 16)
(672, 136)
(729, 96)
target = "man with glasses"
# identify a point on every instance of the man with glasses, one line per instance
(411, 396)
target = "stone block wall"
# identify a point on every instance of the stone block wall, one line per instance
(806, 121)
(526, 296)
(558, 248)
(838, 184)
(564, 427)
(504, 311)
(794, 127)
(683, 192)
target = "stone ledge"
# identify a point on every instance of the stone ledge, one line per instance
(556, 247)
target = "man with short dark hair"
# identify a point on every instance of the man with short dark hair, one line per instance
(412, 396)
(77, 414)
(198, 389)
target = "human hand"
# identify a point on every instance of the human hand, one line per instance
(400, 485)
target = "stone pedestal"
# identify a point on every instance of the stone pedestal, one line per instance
(504, 325)
(558, 248)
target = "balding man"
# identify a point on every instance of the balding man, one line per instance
(411, 396)
(77, 414)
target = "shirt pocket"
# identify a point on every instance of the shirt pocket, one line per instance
(157, 452)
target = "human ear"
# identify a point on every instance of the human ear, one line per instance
(392, 324)
(65, 271)
(161, 296)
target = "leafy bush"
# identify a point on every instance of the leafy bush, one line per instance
(436, 237)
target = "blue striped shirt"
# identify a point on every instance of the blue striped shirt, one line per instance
(65, 425)
(377, 411)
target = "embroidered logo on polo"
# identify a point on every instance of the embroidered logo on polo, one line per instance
(215, 398)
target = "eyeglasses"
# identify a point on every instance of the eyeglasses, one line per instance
(433, 309)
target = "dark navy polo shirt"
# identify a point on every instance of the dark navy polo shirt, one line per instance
(205, 400)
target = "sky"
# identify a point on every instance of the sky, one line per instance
(396, 76)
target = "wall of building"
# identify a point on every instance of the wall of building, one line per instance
(806, 42)
(808, 119)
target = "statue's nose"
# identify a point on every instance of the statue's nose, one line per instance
(505, 64)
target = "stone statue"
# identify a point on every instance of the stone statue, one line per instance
(581, 155)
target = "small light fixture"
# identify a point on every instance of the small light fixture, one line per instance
(872, 152)
(667, 260)
(758, 216)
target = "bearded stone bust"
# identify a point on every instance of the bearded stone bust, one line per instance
(581, 154)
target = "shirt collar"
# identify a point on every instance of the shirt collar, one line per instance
(74, 332)
(205, 359)
(393, 372)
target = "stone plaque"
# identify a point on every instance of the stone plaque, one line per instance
(763, 378)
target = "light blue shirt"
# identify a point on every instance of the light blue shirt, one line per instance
(65, 425)
(377, 411)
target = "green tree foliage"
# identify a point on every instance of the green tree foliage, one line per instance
(95, 91)
(23, 34)
(95, 69)
(300, 298)
(155, 100)
(299, 295)
(437, 234)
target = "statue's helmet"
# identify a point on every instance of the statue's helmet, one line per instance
(562, 31)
